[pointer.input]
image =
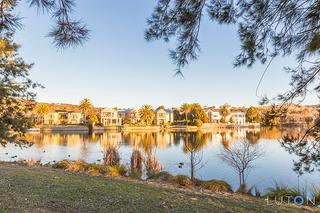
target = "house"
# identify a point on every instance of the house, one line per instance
(163, 116)
(62, 117)
(239, 118)
(213, 115)
(131, 115)
(75, 118)
(51, 119)
(110, 117)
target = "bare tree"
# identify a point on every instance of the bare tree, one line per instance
(193, 145)
(241, 157)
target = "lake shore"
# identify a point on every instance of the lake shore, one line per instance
(43, 189)
(133, 128)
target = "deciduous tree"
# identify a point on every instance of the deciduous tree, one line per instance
(253, 115)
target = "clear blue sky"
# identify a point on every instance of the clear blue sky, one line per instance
(117, 67)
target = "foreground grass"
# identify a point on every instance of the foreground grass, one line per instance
(42, 189)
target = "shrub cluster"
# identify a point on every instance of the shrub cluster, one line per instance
(181, 180)
(91, 168)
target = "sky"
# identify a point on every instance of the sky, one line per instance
(117, 67)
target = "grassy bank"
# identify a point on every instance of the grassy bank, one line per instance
(43, 189)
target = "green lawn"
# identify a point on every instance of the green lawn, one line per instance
(42, 189)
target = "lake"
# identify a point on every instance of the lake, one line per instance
(168, 148)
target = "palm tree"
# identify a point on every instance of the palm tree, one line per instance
(224, 111)
(42, 110)
(85, 106)
(186, 108)
(146, 114)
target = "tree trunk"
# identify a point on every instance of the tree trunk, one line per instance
(192, 167)
(90, 126)
(186, 118)
(242, 178)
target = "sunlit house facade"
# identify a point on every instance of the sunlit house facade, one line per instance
(163, 116)
(110, 117)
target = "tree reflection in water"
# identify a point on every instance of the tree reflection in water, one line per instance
(307, 148)
(193, 145)
(110, 143)
(253, 136)
(136, 163)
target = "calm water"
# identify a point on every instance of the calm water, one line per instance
(168, 149)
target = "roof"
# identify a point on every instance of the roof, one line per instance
(166, 110)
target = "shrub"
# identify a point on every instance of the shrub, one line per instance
(198, 123)
(183, 180)
(77, 166)
(117, 171)
(61, 164)
(316, 193)
(135, 173)
(252, 191)
(162, 176)
(214, 185)
(282, 191)
(29, 162)
(96, 169)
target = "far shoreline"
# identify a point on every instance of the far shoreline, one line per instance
(133, 128)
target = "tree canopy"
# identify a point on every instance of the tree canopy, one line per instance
(66, 30)
(16, 99)
(266, 28)
(146, 114)
(253, 115)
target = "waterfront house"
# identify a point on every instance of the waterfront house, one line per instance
(130, 115)
(239, 118)
(63, 117)
(213, 115)
(75, 118)
(133, 116)
(51, 119)
(110, 117)
(163, 116)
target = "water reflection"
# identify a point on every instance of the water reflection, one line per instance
(176, 152)
(193, 144)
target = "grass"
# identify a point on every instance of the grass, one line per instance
(280, 190)
(44, 189)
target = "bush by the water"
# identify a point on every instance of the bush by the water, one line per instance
(279, 190)
(182, 180)
(162, 176)
(90, 168)
(214, 185)
(119, 170)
